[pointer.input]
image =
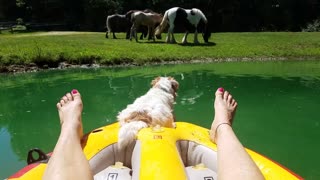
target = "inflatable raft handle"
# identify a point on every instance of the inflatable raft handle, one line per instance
(42, 157)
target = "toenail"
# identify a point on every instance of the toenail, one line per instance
(221, 89)
(74, 91)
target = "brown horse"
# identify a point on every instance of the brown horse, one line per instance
(149, 19)
(120, 23)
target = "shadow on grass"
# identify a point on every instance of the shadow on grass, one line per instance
(118, 38)
(154, 42)
(180, 44)
(199, 44)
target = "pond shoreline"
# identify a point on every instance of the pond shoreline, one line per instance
(31, 52)
(32, 67)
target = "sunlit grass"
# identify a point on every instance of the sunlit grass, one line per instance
(51, 48)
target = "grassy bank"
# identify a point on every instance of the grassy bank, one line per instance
(51, 48)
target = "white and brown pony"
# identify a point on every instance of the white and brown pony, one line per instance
(149, 19)
(192, 20)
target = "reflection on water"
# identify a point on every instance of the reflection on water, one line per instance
(276, 117)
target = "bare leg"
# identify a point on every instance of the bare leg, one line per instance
(233, 161)
(68, 160)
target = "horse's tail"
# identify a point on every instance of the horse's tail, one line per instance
(163, 24)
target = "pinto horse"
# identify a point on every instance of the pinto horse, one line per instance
(120, 23)
(193, 20)
(149, 19)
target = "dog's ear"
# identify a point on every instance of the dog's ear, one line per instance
(154, 82)
(174, 83)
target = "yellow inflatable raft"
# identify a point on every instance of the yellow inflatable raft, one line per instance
(185, 152)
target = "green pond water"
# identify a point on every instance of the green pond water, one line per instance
(277, 114)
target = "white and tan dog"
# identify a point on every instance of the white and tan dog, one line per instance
(153, 108)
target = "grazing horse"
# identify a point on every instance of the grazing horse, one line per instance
(149, 19)
(191, 19)
(120, 23)
(117, 23)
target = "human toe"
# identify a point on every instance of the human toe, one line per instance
(233, 102)
(69, 96)
(225, 95)
(65, 98)
(59, 105)
(62, 102)
(229, 98)
(75, 94)
(219, 92)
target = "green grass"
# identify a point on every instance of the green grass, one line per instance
(81, 48)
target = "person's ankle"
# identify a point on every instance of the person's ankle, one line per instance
(221, 130)
(68, 130)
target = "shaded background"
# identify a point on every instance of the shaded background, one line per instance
(227, 15)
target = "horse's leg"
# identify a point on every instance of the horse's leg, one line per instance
(168, 37)
(107, 34)
(152, 34)
(135, 32)
(170, 33)
(128, 34)
(196, 37)
(131, 31)
(114, 36)
(142, 32)
(150, 31)
(173, 40)
(185, 37)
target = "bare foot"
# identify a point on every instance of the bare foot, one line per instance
(225, 107)
(70, 109)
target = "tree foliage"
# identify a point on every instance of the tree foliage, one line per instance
(313, 26)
